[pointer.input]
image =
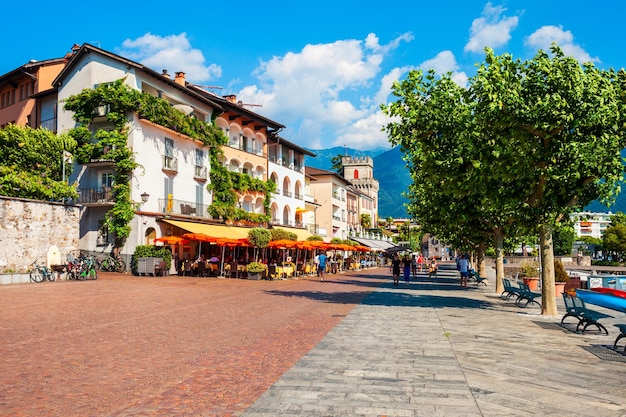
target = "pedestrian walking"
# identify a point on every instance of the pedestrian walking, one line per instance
(432, 270)
(316, 261)
(395, 270)
(420, 262)
(322, 265)
(463, 263)
(407, 268)
(414, 265)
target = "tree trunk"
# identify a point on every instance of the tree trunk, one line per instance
(499, 243)
(481, 266)
(548, 299)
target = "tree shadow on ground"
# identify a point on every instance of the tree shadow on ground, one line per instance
(387, 298)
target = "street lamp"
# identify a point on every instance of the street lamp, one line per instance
(144, 197)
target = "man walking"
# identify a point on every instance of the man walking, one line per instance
(322, 265)
(463, 269)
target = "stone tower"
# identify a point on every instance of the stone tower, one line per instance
(359, 170)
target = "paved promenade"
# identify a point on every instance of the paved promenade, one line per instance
(435, 349)
(353, 345)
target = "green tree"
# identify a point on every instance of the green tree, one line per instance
(566, 124)
(614, 239)
(366, 220)
(337, 164)
(563, 237)
(526, 143)
(31, 163)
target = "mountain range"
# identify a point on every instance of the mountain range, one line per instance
(389, 169)
(394, 179)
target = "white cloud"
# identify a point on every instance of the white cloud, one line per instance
(174, 53)
(491, 29)
(313, 91)
(543, 37)
(443, 63)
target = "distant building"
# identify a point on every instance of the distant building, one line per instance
(591, 224)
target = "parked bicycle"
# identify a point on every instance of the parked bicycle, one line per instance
(111, 264)
(41, 273)
(81, 268)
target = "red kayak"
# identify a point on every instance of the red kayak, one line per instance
(612, 291)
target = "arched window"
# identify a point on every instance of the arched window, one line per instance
(356, 174)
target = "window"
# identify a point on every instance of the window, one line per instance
(199, 157)
(169, 161)
(356, 174)
(106, 180)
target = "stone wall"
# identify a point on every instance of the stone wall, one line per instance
(28, 228)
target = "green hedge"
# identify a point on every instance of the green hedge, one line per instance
(149, 251)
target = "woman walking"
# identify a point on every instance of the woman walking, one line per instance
(407, 268)
(395, 270)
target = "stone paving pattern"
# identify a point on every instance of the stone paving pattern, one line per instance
(353, 345)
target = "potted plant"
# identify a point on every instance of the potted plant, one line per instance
(560, 278)
(255, 270)
(530, 270)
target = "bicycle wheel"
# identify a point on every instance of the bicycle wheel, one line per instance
(120, 265)
(36, 276)
(105, 265)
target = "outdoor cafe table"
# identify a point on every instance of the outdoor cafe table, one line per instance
(286, 270)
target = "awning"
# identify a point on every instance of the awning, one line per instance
(373, 243)
(213, 230)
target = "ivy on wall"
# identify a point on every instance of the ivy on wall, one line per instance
(118, 100)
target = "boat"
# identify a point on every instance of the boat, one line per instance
(602, 299)
(612, 291)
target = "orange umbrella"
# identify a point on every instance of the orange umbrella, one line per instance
(200, 237)
(282, 244)
(172, 240)
(318, 244)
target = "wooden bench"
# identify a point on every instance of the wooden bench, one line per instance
(525, 294)
(510, 290)
(576, 307)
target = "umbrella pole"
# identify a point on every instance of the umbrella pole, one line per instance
(222, 267)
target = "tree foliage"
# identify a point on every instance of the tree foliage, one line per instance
(525, 144)
(31, 163)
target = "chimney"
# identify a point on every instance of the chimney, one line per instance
(180, 78)
(232, 98)
(165, 74)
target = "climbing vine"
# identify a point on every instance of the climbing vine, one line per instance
(118, 100)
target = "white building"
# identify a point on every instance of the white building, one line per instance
(591, 224)
(173, 167)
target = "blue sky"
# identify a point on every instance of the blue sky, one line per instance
(320, 68)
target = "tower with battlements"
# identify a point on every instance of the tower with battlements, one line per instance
(359, 170)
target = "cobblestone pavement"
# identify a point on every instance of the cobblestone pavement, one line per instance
(170, 346)
(354, 346)
(435, 349)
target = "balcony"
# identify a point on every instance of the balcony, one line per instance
(91, 197)
(200, 173)
(100, 156)
(170, 164)
(184, 208)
